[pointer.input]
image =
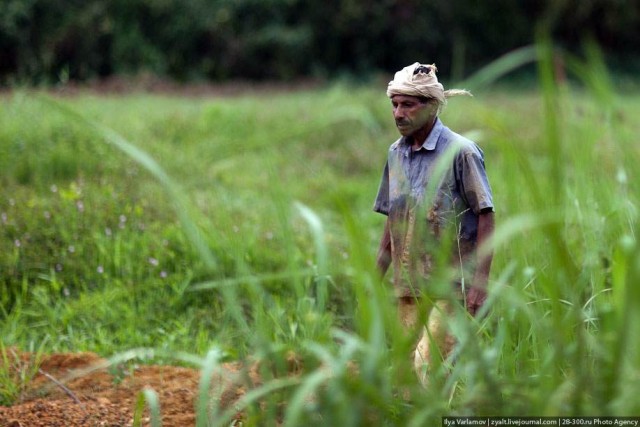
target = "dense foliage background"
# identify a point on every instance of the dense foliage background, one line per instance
(49, 42)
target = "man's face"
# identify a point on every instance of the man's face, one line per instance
(411, 114)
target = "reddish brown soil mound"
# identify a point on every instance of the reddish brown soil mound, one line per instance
(80, 390)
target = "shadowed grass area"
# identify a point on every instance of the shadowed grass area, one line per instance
(244, 225)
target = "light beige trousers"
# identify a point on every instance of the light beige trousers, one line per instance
(435, 339)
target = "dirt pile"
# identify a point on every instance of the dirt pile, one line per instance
(81, 390)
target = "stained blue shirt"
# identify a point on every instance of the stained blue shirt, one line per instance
(444, 186)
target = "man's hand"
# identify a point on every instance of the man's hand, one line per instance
(383, 260)
(477, 291)
(475, 299)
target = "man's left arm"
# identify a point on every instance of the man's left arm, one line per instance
(478, 292)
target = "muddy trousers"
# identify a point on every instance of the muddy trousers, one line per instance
(435, 340)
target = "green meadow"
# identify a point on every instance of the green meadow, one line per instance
(200, 230)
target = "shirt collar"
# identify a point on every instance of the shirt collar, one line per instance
(434, 135)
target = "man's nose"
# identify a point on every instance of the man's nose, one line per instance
(398, 113)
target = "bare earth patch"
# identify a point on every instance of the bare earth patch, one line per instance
(107, 397)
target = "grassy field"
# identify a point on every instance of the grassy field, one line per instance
(210, 229)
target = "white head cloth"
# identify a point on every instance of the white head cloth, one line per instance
(420, 80)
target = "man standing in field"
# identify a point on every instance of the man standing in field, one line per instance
(438, 202)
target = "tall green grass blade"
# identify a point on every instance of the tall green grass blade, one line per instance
(304, 393)
(625, 353)
(315, 224)
(501, 67)
(149, 397)
(550, 96)
(251, 397)
(593, 73)
(202, 408)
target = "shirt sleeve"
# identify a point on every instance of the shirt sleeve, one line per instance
(381, 204)
(473, 181)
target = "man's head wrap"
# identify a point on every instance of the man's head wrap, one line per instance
(420, 80)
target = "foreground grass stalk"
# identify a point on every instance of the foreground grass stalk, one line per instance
(149, 397)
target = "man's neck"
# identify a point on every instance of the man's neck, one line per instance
(420, 136)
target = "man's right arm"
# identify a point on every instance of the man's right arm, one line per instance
(383, 260)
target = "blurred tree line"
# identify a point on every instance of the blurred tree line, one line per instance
(46, 41)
